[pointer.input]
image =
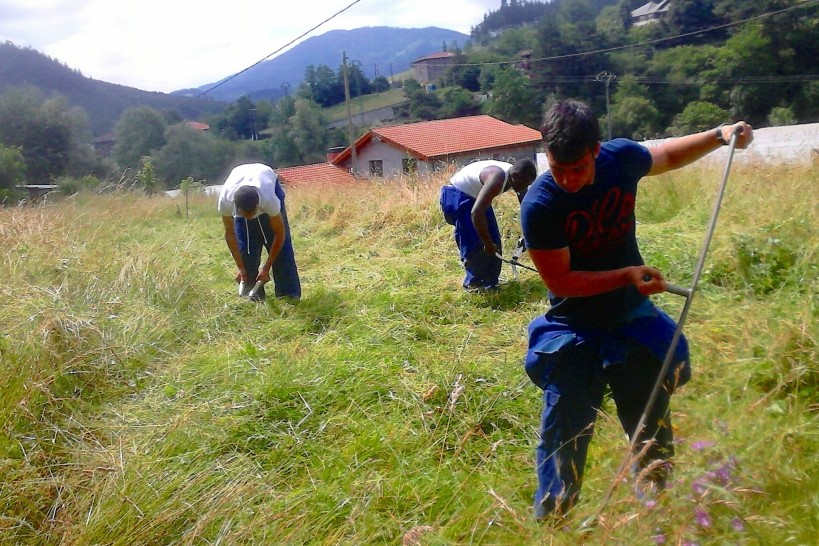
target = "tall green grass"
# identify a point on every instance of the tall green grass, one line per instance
(145, 403)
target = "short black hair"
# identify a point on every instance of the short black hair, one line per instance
(524, 168)
(246, 198)
(569, 129)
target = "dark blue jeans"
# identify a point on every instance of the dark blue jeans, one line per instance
(482, 269)
(252, 235)
(573, 391)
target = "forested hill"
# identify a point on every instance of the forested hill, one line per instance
(103, 102)
(385, 50)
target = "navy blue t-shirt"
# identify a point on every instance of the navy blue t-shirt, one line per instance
(597, 224)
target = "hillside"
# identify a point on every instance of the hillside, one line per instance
(386, 50)
(145, 403)
(103, 102)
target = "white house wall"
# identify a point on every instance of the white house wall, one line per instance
(391, 158)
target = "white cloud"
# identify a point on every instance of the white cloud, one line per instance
(164, 45)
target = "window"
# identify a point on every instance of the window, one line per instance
(409, 165)
(376, 167)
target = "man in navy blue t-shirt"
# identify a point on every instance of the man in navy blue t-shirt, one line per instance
(601, 329)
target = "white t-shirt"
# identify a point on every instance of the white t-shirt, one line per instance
(258, 175)
(468, 179)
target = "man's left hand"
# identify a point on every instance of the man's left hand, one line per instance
(264, 276)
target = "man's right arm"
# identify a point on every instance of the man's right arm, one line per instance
(555, 269)
(233, 246)
(492, 179)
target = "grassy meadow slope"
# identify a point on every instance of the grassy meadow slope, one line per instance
(143, 402)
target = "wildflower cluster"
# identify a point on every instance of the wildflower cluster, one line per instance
(713, 496)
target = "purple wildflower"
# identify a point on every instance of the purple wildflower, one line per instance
(699, 486)
(737, 524)
(724, 474)
(702, 517)
(701, 445)
(659, 539)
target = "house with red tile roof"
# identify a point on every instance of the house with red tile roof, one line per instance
(429, 146)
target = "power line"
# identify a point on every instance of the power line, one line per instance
(794, 78)
(641, 44)
(288, 44)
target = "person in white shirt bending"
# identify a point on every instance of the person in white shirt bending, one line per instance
(251, 204)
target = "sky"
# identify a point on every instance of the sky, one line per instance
(167, 45)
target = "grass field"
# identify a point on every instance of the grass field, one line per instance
(143, 402)
(365, 103)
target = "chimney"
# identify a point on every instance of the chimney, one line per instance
(332, 153)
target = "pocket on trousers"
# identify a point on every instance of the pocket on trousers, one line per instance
(449, 201)
(539, 367)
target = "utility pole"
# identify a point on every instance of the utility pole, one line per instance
(358, 72)
(608, 77)
(349, 111)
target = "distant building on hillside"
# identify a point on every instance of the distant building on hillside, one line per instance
(649, 13)
(103, 145)
(429, 68)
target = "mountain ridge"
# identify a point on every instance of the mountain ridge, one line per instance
(381, 51)
(387, 50)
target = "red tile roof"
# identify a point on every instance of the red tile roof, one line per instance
(197, 125)
(429, 139)
(434, 56)
(317, 172)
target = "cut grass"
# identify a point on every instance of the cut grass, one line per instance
(146, 404)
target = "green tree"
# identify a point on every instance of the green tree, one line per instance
(329, 87)
(465, 75)
(280, 149)
(12, 171)
(140, 131)
(307, 130)
(147, 176)
(514, 100)
(457, 102)
(609, 23)
(41, 128)
(685, 16)
(189, 152)
(424, 105)
(684, 68)
(698, 116)
(781, 115)
(188, 187)
(380, 84)
(634, 117)
(240, 119)
(747, 54)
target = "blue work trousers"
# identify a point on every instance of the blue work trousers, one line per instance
(482, 269)
(574, 384)
(255, 233)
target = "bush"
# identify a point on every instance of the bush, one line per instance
(764, 261)
(12, 167)
(69, 185)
